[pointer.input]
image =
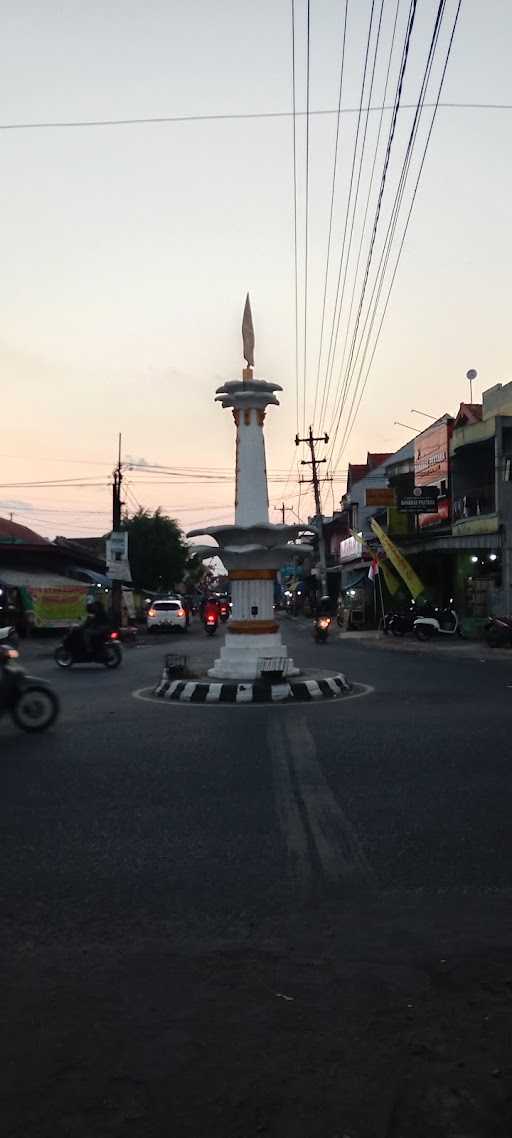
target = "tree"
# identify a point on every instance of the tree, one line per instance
(195, 572)
(156, 550)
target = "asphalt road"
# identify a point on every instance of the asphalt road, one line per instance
(223, 922)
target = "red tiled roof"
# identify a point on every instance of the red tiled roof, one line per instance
(469, 413)
(356, 471)
(12, 532)
(376, 459)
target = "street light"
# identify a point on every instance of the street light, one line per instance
(407, 426)
(424, 413)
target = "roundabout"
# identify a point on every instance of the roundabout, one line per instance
(205, 693)
(297, 690)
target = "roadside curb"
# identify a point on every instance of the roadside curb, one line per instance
(473, 650)
(229, 692)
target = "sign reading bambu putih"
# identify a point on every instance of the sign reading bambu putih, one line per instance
(421, 500)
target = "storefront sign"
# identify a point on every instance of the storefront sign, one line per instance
(422, 500)
(57, 608)
(380, 496)
(118, 544)
(431, 451)
(351, 548)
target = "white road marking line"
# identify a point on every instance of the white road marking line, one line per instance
(213, 694)
(188, 691)
(280, 691)
(313, 689)
(290, 821)
(338, 847)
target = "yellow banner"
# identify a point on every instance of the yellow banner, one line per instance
(397, 559)
(392, 582)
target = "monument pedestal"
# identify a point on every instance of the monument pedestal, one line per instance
(241, 653)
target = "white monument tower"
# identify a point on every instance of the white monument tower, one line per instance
(252, 549)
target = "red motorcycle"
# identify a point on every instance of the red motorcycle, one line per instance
(224, 611)
(211, 619)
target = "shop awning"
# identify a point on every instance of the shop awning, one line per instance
(452, 543)
(92, 576)
(24, 578)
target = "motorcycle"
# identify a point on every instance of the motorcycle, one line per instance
(443, 622)
(211, 624)
(400, 623)
(107, 649)
(498, 632)
(30, 702)
(321, 629)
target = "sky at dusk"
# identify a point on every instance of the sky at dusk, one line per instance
(127, 250)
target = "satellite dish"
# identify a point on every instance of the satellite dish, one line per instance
(472, 373)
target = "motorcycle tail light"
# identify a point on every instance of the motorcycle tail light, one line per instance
(10, 654)
(114, 636)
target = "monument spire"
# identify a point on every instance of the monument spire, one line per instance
(248, 339)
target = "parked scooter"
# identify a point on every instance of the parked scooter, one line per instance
(107, 649)
(400, 623)
(498, 632)
(442, 622)
(31, 703)
(321, 629)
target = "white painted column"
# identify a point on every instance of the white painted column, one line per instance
(246, 595)
(251, 503)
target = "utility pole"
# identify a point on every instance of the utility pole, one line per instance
(117, 588)
(314, 463)
(283, 510)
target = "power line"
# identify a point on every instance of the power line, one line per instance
(363, 84)
(403, 66)
(356, 196)
(386, 251)
(70, 124)
(350, 425)
(295, 221)
(308, 38)
(370, 187)
(333, 186)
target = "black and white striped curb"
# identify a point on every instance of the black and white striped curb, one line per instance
(288, 691)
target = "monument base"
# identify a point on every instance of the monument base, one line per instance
(240, 656)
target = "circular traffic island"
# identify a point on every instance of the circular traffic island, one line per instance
(310, 686)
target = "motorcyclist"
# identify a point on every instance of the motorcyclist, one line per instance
(93, 626)
(211, 608)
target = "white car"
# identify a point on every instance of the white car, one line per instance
(166, 615)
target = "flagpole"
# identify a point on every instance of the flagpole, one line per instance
(381, 597)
